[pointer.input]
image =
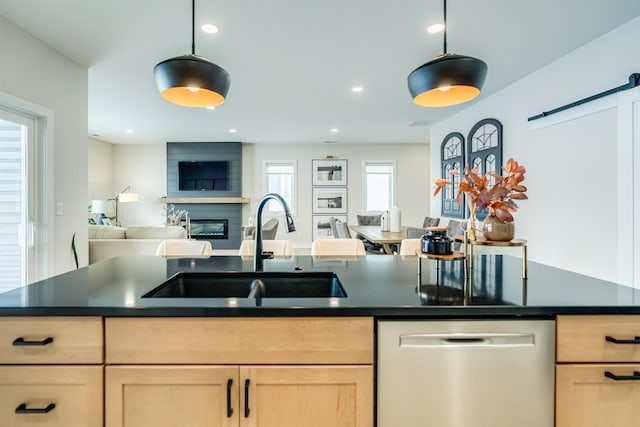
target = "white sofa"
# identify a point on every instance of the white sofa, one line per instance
(107, 241)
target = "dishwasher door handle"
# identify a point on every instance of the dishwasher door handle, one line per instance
(467, 339)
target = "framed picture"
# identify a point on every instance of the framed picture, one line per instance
(329, 171)
(327, 200)
(322, 227)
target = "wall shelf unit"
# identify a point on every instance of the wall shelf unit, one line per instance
(243, 200)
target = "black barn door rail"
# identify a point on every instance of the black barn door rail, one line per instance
(634, 80)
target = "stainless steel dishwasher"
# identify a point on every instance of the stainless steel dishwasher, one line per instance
(466, 373)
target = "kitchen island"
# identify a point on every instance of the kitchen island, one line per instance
(379, 286)
(87, 347)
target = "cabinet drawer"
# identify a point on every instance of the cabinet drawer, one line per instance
(586, 397)
(48, 340)
(293, 340)
(52, 396)
(584, 338)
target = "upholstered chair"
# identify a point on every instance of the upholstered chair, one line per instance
(278, 247)
(369, 219)
(184, 248)
(269, 229)
(342, 247)
(430, 222)
(408, 247)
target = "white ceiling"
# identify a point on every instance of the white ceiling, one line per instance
(293, 62)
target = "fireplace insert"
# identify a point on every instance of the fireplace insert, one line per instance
(209, 228)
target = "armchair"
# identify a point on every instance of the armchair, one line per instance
(269, 230)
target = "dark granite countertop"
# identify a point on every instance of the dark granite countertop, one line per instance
(382, 286)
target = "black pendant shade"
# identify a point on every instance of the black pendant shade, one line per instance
(448, 79)
(191, 80)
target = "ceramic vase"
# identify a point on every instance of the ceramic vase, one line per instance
(494, 229)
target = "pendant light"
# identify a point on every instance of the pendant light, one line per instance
(448, 79)
(191, 80)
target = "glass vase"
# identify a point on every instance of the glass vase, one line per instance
(496, 230)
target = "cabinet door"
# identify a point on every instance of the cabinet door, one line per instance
(309, 396)
(159, 396)
(52, 396)
(585, 397)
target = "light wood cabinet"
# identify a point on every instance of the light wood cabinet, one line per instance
(51, 340)
(51, 371)
(294, 396)
(159, 396)
(247, 396)
(52, 396)
(284, 372)
(597, 371)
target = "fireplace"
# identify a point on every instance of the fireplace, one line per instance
(209, 229)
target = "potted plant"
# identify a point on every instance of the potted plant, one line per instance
(495, 192)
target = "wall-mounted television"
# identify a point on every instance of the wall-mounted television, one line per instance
(203, 176)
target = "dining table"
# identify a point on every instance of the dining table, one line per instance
(375, 235)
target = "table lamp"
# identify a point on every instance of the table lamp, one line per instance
(100, 207)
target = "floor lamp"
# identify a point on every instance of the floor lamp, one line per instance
(125, 196)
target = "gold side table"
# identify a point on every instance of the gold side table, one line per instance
(438, 258)
(481, 241)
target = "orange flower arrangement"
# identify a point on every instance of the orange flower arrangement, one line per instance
(499, 197)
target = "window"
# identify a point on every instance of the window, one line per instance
(484, 151)
(280, 177)
(452, 151)
(378, 185)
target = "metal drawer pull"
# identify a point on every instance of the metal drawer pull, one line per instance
(634, 377)
(635, 340)
(229, 408)
(22, 409)
(246, 398)
(22, 341)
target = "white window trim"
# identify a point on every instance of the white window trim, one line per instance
(44, 180)
(294, 191)
(394, 183)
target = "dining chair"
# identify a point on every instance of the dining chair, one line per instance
(369, 219)
(184, 247)
(278, 247)
(347, 247)
(408, 247)
(430, 222)
(415, 232)
(453, 229)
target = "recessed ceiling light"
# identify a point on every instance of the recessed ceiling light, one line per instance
(129, 130)
(233, 130)
(357, 89)
(435, 28)
(209, 28)
(334, 130)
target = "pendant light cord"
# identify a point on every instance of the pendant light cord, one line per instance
(193, 27)
(445, 27)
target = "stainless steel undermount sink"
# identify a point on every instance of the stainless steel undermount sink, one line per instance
(239, 285)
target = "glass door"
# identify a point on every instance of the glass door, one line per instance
(17, 231)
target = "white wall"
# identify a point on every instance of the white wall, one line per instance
(100, 169)
(144, 168)
(38, 74)
(570, 218)
(412, 186)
